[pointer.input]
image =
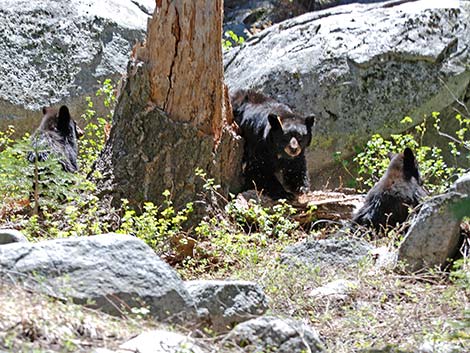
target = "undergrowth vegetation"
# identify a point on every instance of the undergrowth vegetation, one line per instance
(242, 238)
(42, 199)
(437, 173)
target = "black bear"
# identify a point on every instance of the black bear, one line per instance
(275, 141)
(57, 134)
(399, 189)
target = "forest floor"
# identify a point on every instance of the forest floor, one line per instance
(383, 309)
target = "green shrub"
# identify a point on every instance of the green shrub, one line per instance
(236, 233)
(96, 127)
(231, 39)
(15, 171)
(40, 197)
(160, 227)
(436, 173)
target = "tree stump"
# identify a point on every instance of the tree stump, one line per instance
(173, 113)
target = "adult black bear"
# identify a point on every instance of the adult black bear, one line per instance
(399, 189)
(275, 141)
(57, 134)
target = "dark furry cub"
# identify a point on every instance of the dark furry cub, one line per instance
(399, 189)
(57, 134)
(275, 141)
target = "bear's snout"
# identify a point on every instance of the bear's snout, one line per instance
(80, 132)
(293, 148)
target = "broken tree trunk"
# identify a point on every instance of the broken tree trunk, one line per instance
(173, 114)
(316, 205)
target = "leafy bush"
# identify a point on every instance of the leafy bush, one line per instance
(159, 227)
(96, 127)
(436, 173)
(273, 222)
(236, 233)
(40, 197)
(15, 171)
(231, 39)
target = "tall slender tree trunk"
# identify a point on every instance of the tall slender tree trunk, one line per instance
(173, 114)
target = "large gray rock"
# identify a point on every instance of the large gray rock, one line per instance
(55, 51)
(271, 334)
(228, 303)
(247, 16)
(332, 252)
(434, 235)
(361, 68)
(8, 236)
(109, 272)
(462, 185)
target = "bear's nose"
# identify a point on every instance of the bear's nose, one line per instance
(293, 148)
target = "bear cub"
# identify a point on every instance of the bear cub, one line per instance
(275, 141)
(399, 189)
(57, 134)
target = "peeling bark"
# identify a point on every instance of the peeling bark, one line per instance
(184, 39)
(173, 114)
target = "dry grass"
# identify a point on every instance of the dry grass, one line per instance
(384, 309)
(388, 309)
(32, 322)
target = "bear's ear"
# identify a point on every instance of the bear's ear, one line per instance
(410, 168)
(44, 110)
(63, 121)
(309, 120)
(275, 122)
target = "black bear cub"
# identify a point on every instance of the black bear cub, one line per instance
(399, 189)
(275, 141)
(57, 134)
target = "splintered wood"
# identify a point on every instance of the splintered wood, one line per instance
(328, 205)
(185, 60)
(331, 205)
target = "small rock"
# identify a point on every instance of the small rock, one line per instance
(384, 258)
(271, 334)
(8, 236)
(387, 349)
(228, 302)
(160, 341)
(340, 289)
(332, 251)
(434, 235)
(441, 347)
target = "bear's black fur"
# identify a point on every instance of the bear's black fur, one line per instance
(275, 141)
(57, 134)
(399, 189)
